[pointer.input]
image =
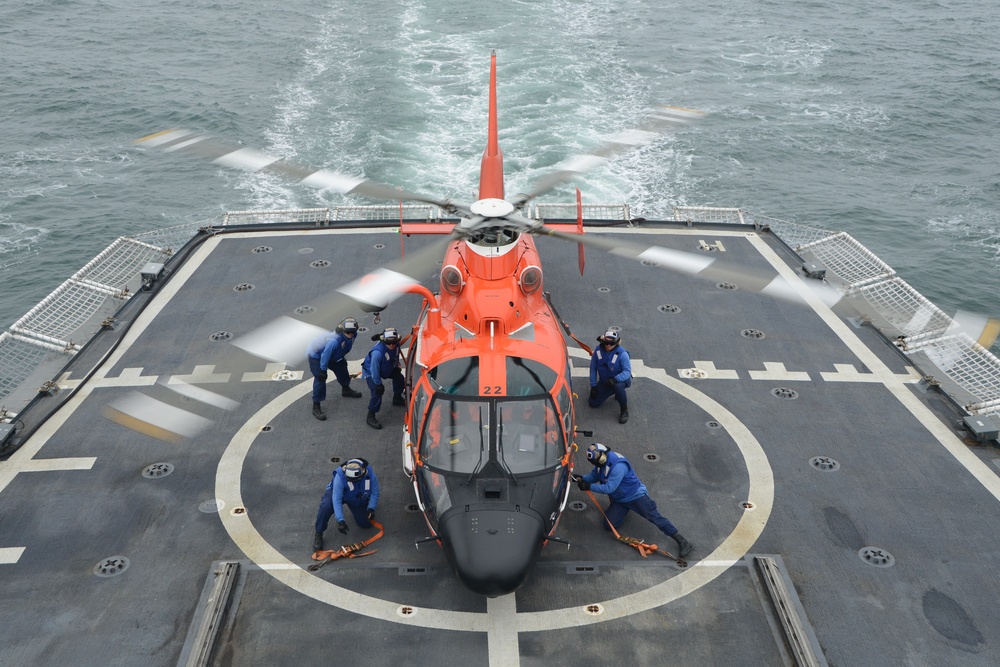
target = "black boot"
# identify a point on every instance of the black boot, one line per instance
(347, 392)
(398, 400)
(623, 417)
(683, 546)
(318, 542)
(318, 412)
(372, 420)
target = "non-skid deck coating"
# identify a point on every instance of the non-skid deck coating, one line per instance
(728, 460)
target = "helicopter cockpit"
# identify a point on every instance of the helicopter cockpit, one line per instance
(482, 448)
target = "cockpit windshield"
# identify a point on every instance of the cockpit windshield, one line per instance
(530, 435)
(456, 435)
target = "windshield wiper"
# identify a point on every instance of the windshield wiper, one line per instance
(479, 463)
(500, 443)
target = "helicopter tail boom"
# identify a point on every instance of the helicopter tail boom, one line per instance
(491, 168)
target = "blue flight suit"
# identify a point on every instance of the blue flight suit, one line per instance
(618, 480)
(328, 352)
(382, 363)
(359, 497)
(610, 365)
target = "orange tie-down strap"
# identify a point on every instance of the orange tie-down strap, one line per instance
(349, 550)
(640, 545)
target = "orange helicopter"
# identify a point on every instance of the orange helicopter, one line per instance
(490, 423)
(489, 432)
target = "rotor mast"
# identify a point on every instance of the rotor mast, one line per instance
(491, 168)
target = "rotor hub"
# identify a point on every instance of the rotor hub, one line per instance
(492, 208)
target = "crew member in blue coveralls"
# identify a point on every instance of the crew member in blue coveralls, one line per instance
(383, 363)
(613, 475)
(354, 484)
(327, 352)
(610, 373)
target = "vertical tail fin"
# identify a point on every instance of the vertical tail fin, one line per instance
(491, 168)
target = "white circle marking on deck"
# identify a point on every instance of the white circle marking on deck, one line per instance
(732, 549)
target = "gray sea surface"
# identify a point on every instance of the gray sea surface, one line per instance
(877, 117)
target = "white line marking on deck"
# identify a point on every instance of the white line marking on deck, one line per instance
(65, 383)
(717, 245)
(775, 370)
(203, 374)
(130, 377)
(47, 465)
(502, 634)
(710, 372)
(10, 555)
(228, 483)
(10, 468)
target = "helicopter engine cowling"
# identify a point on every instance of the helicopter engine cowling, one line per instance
(492, 549)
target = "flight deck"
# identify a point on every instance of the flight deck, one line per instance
(839, 512)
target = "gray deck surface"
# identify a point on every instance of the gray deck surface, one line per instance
(906, 486)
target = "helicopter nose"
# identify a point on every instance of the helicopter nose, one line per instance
(492, 550)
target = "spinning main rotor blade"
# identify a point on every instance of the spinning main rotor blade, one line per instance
(285, 339)
(248, 159)
(707, 268)
(161, 411)
(663, 118)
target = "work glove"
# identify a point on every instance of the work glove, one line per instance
(379, 389)
(323, 376)
(583, 484)
(342, 527)
(611, 383)
(593, 392)
(371, 514)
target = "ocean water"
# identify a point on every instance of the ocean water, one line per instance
(878, 118)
